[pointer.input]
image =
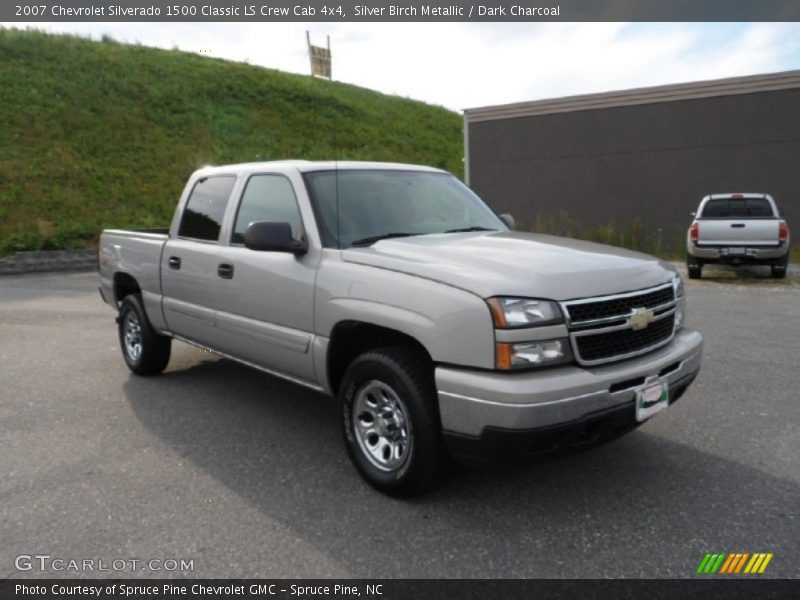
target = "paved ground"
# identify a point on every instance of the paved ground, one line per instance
(247, 476)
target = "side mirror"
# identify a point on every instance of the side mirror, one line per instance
(781, 212)
(508, 220)
(273, 236)
(693, 214)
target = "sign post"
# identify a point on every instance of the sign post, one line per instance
(320, 59)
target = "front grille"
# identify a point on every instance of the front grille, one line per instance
(620, 306)
(600, 328)
(602, 346)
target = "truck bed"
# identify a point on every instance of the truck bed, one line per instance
(136, 253)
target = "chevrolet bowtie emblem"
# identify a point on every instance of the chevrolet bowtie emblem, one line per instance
(640, 318)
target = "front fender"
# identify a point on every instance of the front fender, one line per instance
(453, 325)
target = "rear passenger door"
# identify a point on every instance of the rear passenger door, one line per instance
(265, 306)
(190, 259)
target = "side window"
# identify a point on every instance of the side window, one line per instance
(267, 198)
(202, 216)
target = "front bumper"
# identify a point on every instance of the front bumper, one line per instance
(475, 405)
(496, 444)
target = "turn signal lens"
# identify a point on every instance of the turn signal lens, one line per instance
(503, 354)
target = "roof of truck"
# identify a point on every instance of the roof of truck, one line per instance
(736, 195)
(304, 166)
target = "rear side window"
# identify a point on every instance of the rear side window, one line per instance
(736, 208)
(267, 198)
(202, 217)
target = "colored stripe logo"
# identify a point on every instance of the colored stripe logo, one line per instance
(735, 563)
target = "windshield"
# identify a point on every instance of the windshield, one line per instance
(373, 204)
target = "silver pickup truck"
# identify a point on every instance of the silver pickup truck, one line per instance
(443, 332)
(738, 229)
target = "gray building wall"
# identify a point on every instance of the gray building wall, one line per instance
(651, 161)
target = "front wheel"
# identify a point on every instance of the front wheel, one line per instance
(391, 421)
(145, 351)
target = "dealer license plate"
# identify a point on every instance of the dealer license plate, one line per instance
(651, 399)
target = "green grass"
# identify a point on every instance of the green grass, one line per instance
(103, 134)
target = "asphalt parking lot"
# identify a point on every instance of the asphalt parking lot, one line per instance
(246, 475)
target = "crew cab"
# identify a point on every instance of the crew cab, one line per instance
(738, 229)
(442, 331)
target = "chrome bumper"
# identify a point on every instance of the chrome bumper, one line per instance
(470, 400)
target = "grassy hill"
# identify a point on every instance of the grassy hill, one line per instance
(102, 134)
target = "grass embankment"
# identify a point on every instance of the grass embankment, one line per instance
(103, 134)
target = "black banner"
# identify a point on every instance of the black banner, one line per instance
(400, 10)
(282, 589)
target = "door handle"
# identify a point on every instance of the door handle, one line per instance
(225, 271)
(174, 262)
(737, 225)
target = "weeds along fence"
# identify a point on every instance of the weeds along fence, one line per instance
(634, 235)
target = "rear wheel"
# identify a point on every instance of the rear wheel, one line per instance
(391, 421)
(779, 270)
(694, 267)
(145, 351)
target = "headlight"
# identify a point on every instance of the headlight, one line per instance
(523, 312)
(533, 354)
(677, 284)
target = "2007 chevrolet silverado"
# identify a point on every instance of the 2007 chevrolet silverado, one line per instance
(443, 332)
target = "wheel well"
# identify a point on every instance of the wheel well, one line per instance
(350, 339)
(124, 285)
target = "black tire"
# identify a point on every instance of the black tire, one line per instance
(409, 375)
(153, 349)
(694, 266)
(779, 271)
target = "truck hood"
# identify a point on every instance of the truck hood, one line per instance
(512, 263)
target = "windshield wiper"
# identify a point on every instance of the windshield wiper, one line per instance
(474, 228)
(368, 241)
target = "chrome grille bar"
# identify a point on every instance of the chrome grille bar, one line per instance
(624, 304)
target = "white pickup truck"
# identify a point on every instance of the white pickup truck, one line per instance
(442, 332)
(738, 229)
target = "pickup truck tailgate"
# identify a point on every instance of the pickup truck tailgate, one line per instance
(739, 232)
